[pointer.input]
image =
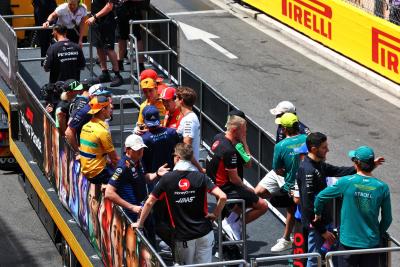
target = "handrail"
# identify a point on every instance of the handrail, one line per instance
(332, 254)
(254, 262)
(121, 116)
(243, 240)
(18, 16)
(222, 263)
(144, 239)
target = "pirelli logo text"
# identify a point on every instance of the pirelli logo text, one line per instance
(385, 50)
(312, 14)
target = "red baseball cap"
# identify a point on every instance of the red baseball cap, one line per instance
(150, 73)
(161, 87)
(168, 93)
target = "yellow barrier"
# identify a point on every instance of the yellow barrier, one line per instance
(369, 40)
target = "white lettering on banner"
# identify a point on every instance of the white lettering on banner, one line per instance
(28, 128)
(7, 160)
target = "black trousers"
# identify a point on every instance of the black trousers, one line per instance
(358, 260)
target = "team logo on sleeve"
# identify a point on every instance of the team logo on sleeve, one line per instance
(184, 184)
(214, 146)
(116, 174)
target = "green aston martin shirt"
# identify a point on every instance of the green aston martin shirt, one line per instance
(285, 157)
(363, 198)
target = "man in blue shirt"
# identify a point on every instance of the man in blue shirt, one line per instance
(160, 141)
(127, 187)
(282, 108)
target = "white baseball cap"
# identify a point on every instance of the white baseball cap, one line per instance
(283, 107)
(135, 142)
(98, 89)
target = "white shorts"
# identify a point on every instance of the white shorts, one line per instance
(195, 251)
(273, 183)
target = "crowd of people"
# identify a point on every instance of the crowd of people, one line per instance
(162, 187)
(109, 22)
(159, 181)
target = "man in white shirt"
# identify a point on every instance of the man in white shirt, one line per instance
(189, 126)
(71, 15)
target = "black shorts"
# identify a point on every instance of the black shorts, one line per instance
(102, 177)
(103, 33)
(284, 201)
(233, 191)
(130, 11)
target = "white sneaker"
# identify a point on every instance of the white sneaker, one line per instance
(281, 245)
(237, 229)
(230, 230)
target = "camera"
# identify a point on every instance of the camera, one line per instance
(51, 92)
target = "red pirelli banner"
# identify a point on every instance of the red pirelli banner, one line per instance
(364, 38)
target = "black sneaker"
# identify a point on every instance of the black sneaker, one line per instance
(105, 77)
(116, 81)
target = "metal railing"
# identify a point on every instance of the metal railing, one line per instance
(256, 261)
(123, 130)
(135, 54)
(329, 256)
(242, 263)
(242, 242)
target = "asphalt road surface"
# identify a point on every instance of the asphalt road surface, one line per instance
(24, 240)
(267, 72)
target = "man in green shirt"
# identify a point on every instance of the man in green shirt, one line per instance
(285, 163)
(363, 197)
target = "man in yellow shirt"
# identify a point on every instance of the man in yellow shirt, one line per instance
(96, 143)
(149, 87)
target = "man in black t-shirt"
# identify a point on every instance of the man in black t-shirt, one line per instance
(184, 191)
(225, 167)
(64, 59)
(102, 32)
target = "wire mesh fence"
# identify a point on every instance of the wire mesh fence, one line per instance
(386, 9)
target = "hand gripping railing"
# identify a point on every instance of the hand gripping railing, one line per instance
(242, 263)
(329, 256)
(255, 262)
(222, 243)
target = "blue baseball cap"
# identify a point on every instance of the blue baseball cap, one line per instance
(301, 149)
(151, 116)
(363, 153)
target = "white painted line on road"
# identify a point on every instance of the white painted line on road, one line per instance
(220, 48)
(183, 13)
(359, 75)
(193, 33)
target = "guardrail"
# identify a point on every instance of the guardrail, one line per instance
(255, 262)
(332, 254)
(242, 263)
(242, 242)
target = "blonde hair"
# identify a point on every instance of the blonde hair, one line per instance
(234, 122)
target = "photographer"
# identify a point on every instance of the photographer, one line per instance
(51, 93)
(71, 89)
